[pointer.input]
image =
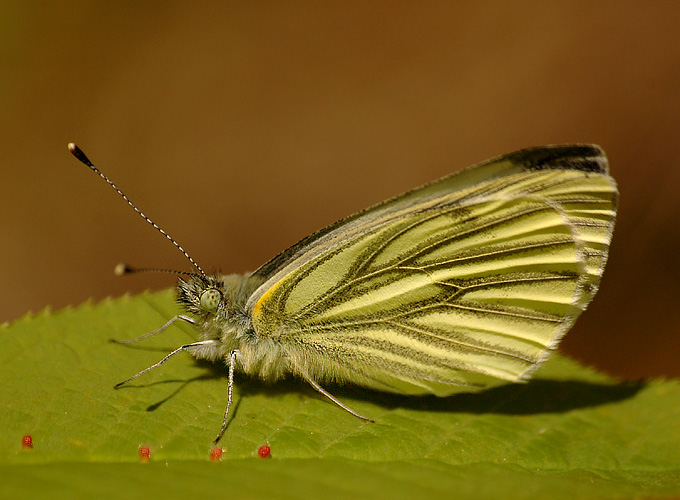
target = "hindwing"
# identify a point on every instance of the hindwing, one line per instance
(461, 284)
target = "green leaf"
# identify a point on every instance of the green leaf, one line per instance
(569, 433)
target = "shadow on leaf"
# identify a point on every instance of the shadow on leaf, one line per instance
(534, 397)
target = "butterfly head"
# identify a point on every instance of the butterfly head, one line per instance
(201, 295)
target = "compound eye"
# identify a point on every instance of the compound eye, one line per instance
(210, 300)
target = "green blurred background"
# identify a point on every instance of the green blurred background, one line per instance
(241, 127)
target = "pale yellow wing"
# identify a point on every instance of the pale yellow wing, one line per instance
(461, 284)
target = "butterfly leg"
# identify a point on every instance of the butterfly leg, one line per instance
(332, 398)
(158, 330)
(186, 347)
(232, 365)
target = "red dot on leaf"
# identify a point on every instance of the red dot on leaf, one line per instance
(216, 453)
(264, 451)
(144, 453)
(27, 441)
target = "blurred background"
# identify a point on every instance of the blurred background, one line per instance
(241, 127)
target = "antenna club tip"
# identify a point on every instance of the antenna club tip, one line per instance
(80, 156)
(120, 269)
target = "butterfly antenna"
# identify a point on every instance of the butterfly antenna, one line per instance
(78, 153)
(122, 268)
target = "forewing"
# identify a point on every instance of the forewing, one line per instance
(465, 283)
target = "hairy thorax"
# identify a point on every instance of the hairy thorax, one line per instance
(230, 324)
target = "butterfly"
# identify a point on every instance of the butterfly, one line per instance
(459, 285)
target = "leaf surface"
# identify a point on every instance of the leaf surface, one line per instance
(569, 433)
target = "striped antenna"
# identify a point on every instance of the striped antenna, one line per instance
(78, 153)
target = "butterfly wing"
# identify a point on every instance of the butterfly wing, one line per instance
(461, 284)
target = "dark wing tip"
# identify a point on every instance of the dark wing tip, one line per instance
(584, 157)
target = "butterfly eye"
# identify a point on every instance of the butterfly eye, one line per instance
(210, 300)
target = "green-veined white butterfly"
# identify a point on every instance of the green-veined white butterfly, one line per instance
(459, 285)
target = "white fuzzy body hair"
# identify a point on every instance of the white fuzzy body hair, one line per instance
(231, 326)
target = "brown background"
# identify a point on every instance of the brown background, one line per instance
(243, 127)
